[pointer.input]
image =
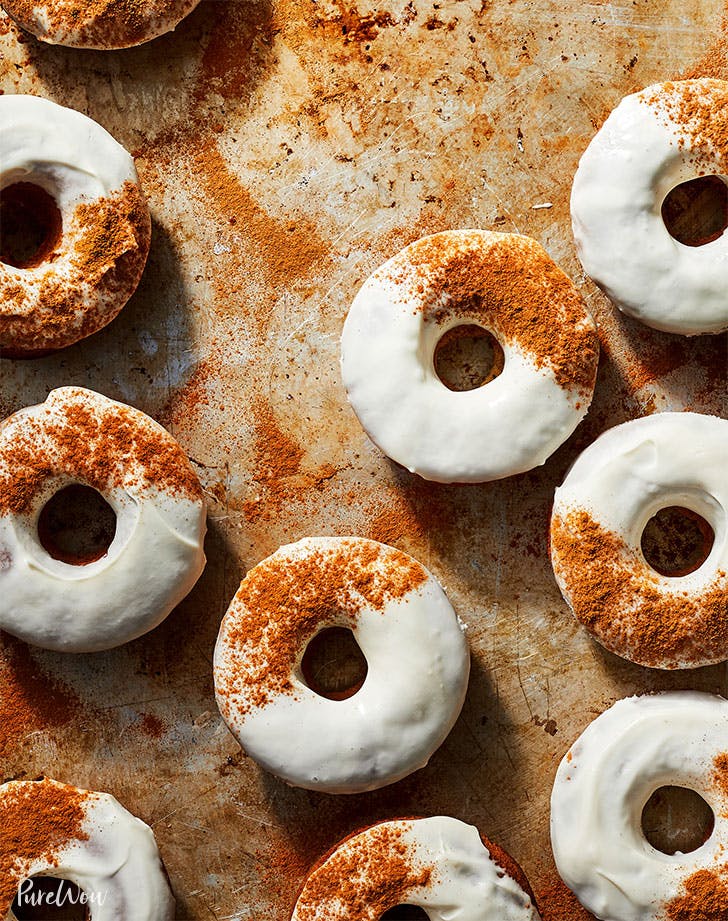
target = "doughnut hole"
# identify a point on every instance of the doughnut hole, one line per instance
(46, 898)
(696, 212)
(30, 225)
(468, 357)
(676, 819)
(676, 541)
(405, 913)
(333, 665)
(77, 525)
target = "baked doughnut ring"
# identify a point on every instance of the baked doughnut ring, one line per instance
(417, 657)
(439, 864)
(677, 738)
(80, 438)
(502, 283)
(653, 141)
(89, 839)
(74, 226)
(101, 24)
(600, 512)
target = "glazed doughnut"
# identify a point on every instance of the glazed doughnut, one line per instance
(438, 864)
(101, 24)
(417, 659)
(156, 555)
(64, 172)
(89, 839)
(677, 738)
(653, 141)
(505, 284)
(613, 489)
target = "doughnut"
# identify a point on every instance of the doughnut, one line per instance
(75, 226)
(505, 284)
(439, 864)
(613, 489)
(653, 141)
(78, 438)
(417, 665)
(86, 838)
(100, 24)
(676, 738)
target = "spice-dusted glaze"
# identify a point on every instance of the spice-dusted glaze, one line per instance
(156, 556)
(613, 489)
(98, 24)
(506, 284)
(417, 657)
(52, 829)
(98, 259)
(654, 140)
(637, 746)
(439, 864)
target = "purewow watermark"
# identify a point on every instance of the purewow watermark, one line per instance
(58, 895)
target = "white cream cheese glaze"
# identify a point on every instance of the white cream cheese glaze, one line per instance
(509, 425)
(652, 142)
(114, 861)
(157, 552)
(439, 864)
(94, 184)
(602, 785)
(102, 25)
(417, 657)
(620, 481)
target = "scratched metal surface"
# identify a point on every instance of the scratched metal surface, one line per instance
(375, 129)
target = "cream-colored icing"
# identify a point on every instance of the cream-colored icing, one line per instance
(639, 467)
(510, 425)
(602, 785)
(418, 666)
(55, 23)
(117, 866)
(465, 884)
(77, 162)
(154, 560)
(640, 154)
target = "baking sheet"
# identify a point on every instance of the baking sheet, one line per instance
(287, 148)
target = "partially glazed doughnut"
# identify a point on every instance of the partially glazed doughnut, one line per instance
(64, 176)
(89, 839)
(78, 437)
(641, 744)
(654, 140)
(102, 24)
(439, 864)
(505, 284)
(416, 654)
(613, 489)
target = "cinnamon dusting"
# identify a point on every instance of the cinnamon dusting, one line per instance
(37, 820)
(626, 605)
(362, 880)
(283, 601)
(704, 897)
(102, 268)
(516, 291)
(104, 444)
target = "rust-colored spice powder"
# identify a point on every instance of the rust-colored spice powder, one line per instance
(111, 240)
(282, 602)
(36, 820)
(615, 595)
(97, 446)
(704, 898)
(361, 883)
(29, 699)
(517, 292)
(701, 109)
